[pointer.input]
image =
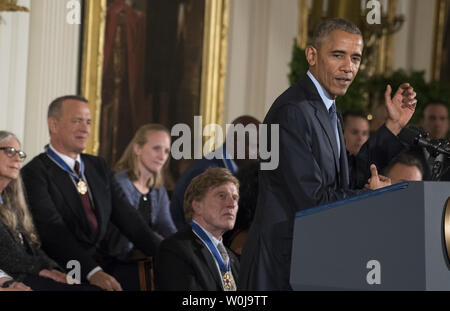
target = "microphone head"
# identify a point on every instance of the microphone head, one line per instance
(420, 130)
(409, 136)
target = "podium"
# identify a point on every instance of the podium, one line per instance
(394, 238)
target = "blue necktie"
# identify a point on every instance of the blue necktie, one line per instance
(333, 117)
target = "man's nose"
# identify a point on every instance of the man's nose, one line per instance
(346, 65)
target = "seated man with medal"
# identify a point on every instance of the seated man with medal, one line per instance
(195, 258)
(74, 199)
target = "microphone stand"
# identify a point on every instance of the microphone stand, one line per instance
(437, 163)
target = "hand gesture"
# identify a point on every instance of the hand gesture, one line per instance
(400, 108)
(14, 286)
(377, 181)
(105, 281)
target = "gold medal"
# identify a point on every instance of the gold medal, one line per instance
(228, 281)
(82, 187)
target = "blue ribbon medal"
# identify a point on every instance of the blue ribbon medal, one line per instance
(225, 268)
(80, 183)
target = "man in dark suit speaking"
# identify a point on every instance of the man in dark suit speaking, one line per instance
(73, 198)
(313, 166)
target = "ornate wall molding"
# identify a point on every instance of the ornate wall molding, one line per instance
(214, 66)
(11, 6)
(438, 42)
(92, 65)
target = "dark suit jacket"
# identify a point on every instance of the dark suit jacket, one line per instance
(60, 218)
(309, 173)
(184, 263)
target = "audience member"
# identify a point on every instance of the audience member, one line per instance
(435, 123)
(229, 161)
(435, 120)
(404, 167)
(139, 173)
(20, 252)
(379, 117)
(195, 258)
(356, 134)
(73, 198)
(356, 131)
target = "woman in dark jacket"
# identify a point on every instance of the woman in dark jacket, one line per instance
(20, 254)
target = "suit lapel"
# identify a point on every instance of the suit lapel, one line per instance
(69, 193)
(324, 120)
(344, 177)
(210, 261)
(323, 117)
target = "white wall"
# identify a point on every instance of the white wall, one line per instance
(52, 67)
(13, 69)
(261, 35)
(413, 47)
(39, 55)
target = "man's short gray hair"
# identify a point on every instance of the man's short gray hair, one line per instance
(329, 25)
(54, 109)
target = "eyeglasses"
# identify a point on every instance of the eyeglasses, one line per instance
(11, 152)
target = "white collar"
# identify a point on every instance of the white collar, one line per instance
(68, 160)
(326, 98)
(209, 234)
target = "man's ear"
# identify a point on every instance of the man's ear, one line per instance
(311, 55)
(52, 124)
(196, 205)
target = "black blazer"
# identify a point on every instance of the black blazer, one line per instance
(310, 173)
(60, 218)
(21, 260)
(184, 263)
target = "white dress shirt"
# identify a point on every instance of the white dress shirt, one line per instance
(3, 274)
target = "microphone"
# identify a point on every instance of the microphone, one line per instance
(418, 137)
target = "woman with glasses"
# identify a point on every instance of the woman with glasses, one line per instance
(21, 257)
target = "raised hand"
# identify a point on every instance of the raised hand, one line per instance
(400, 108)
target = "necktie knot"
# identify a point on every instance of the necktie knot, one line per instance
(332, 110)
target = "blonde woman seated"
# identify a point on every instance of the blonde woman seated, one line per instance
(139, 173)
(21, 257)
